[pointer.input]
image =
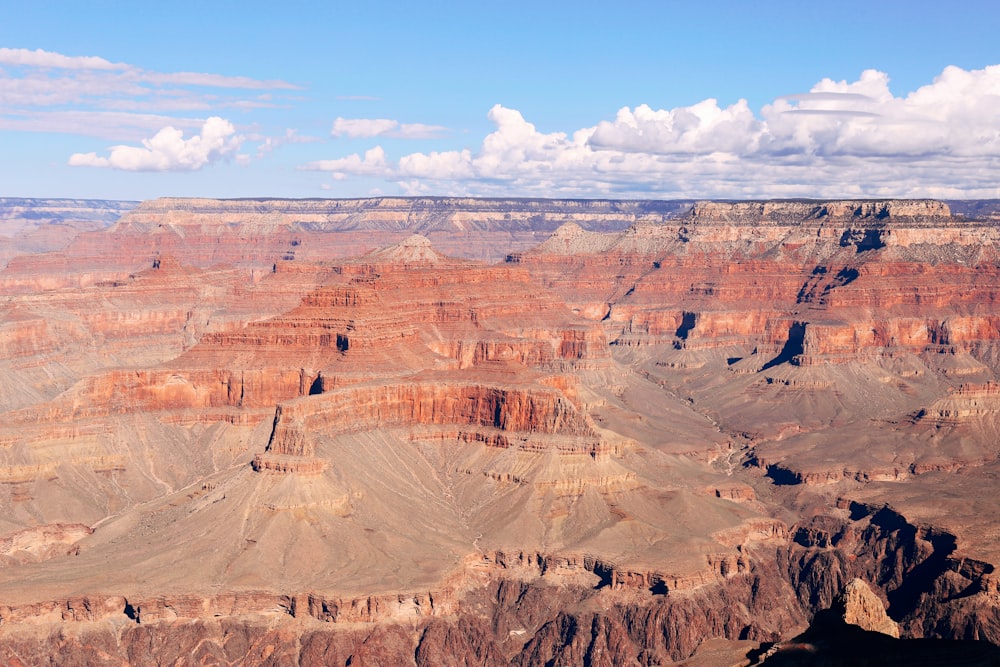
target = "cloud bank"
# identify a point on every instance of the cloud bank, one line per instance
(50, 92)
(838, 139)
(354, 128)
(168, 150)
(42, 58)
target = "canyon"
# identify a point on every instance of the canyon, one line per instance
(440, 431)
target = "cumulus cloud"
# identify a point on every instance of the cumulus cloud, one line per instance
(954, 116)
(446, 166)
(373, 163)
(840, 138)
(355, 128)
(698, 129)
(168, 150)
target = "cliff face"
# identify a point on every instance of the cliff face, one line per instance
(261, 231)
(31, 226)
(513, 621)
(657, 430)
(20, 215)
(863, 211)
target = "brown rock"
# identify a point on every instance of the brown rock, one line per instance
(858, 605)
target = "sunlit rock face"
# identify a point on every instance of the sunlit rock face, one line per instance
(496, 431)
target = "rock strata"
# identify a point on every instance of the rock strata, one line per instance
(654, 432)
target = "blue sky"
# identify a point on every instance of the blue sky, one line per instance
(549, 99)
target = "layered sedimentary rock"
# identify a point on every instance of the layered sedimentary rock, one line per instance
(656, 430)
(836, 279)
(260, 232)
(32, 226)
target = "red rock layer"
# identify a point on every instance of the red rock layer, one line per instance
(845, 279)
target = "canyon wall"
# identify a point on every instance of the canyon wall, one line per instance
(327, 430)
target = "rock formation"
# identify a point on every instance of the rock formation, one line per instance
(858, 605)
(324, 432)
(29, 226)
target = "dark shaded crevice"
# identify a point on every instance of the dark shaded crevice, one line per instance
(846, 275)
(605, 575)
(793, 346)
(782, 476)
(862, 240)
(688, 322)
(808, 290)
(905, 599)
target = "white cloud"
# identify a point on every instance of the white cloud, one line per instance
(41, 58)
(838, 139)
(698, 129)
(448, 166)
(51, 60)
(214, 81)
(417, 131)
(61, 89)
(168, 150)
(86, 88)
(360, 128)
(372, 164)
(269, 144)
(955, 116)
(110, 125)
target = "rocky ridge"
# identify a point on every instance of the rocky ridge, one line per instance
(31, 226)
(858, 605)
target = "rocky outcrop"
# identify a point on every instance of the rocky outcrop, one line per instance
(967, 403)
(430, 402)
(410, 295)
(919, 569)
(510, 601)
(507, 623)
(798, 211)
(42, 542)
(858, 605)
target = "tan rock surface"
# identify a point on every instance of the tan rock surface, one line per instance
(858, 605)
